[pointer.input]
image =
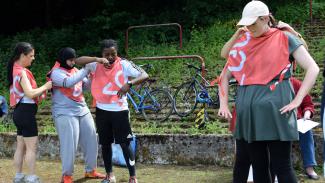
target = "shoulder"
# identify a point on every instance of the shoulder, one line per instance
(57, 71)
(291, 37)
(129, 64)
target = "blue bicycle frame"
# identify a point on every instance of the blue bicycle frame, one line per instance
(139, 107)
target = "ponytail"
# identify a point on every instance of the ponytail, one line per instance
(20, 48)
(272, 23)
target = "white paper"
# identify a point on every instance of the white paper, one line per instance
(306, 125)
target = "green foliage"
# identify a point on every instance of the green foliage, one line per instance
(319, 9)
(293, 12)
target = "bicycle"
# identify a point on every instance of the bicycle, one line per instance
(155, 105)
(192, 92)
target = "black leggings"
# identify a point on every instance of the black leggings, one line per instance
(259, 153)
(127, 153)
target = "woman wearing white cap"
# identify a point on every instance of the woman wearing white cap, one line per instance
(260, 60)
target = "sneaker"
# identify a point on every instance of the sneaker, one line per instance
(94, 175)
(109, 179)
(66, 179)
(133, 180)
(19, 180)
(33, 180)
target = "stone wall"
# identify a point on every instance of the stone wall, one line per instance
(162, 149)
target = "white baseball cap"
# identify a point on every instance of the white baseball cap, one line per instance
(252, 11)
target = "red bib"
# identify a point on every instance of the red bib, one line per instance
(73, 93)
(107, 82)
(259, 60)
(16, 91)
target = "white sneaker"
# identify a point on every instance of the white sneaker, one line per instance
(109, 179)
(19, 180)
(35, 179)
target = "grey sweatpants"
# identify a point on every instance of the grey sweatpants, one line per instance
(73, 130)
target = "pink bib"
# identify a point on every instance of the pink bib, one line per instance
(107, 82)
(74, 93)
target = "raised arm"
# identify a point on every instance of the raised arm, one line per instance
(29, 91)
(86, 60)
(62, 80)
(230, 43)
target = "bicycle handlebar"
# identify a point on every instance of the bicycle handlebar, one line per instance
(196, 68)
(146, 66)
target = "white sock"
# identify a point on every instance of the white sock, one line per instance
(19, 175)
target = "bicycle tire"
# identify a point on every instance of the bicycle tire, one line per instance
(161, 105)
(185, 99)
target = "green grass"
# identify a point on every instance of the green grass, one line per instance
(50, 172)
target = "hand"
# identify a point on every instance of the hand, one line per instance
(102, 60)
(48, 85)
(105, 62)
(284, 26)
(307, 115)
(291, 106)
(241, 30)
(125, 88)
(224, 112)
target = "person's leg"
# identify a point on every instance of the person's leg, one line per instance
(242, 162)
(280, 155)
(30, 136)
(21, 147)
(129, 157)
(259, 156)
(89, 146)
(31, 147)
(107, 157)
(68, 131)
(19, 154)
(105, 135)
(88, 141)
(306, 142)
(123, 135)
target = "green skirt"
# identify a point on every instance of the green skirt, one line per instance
(258, 115)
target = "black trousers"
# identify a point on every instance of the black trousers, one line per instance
(261, 154)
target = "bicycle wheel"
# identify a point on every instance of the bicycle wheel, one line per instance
(157, 105)
(185, 99)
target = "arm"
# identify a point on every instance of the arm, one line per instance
(29, 91)
(230, 43)
(86, 84)
(86, 60)
(61, 79)
(126, 87)
(305, 61)
(138, 74)
(223, 94)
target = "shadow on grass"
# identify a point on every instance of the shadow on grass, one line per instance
(81, 180)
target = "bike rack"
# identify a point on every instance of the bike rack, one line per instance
(152, 25)
(197, 57)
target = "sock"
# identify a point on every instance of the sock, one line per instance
(19, 175)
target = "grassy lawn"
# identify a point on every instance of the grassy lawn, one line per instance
(49, 171)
